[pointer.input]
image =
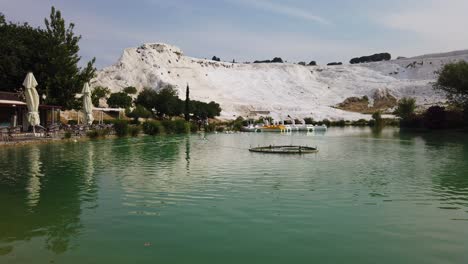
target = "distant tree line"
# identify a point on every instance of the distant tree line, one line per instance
(274, 60)
(371, 58)
(334, 63)
(51, 53)
(166, 103)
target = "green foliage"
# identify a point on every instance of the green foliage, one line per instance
(453, 80)
(119, 100)
(210, 128)
(167, 103)
(67, 135)
(309, 120)
(72, 122)
(93, 134)
(139, 112)
(130, 90)
(180, 127)
(152, 128)
(237, 124)
(134, 130)
(169, 126)
(339, 123)
(50, 53)
(203, 110)
(405, 109)
(2, 20)
(325, 122)
(121, 128)
(193, 127)
(98, 93)
(98, 133)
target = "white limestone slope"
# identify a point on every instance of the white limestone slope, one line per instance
(283, 89)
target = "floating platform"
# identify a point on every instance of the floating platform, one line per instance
(284, 150)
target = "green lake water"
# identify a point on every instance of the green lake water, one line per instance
(366, 197)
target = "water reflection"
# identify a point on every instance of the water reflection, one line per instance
(34, 185)
(44, 198)
(156, 185)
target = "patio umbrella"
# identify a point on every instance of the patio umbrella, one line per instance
(32, 100)
(87, 104)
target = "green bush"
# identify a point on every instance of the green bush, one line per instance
(68, 135)
(72, 122)
(309, 120)
(169, 126)
(220, 129)
(121, 128)
(237, 124)
(325, 122)
(193, 127)
(152, 128)
(119, 100)
(134, 131)
(210, 127)
(180, 127)
(406, 108)
(93, 134)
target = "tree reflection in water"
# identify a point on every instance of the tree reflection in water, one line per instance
(45, 187)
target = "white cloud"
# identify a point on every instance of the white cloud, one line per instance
(287, 10)
(440, 24)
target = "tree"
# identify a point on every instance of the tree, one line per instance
(187, 104)
(98, 93)
(406, 108)
(139, 112)
(2, 19)
(130, 90)
(147, 98)
(22, 50)
(64, 78)
(167, 102)
(453, 80)
(119, 100)
(50, 53)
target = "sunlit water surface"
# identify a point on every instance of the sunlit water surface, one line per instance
(366, 197)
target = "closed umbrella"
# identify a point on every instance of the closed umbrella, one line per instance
(87, 104)
(32, 100)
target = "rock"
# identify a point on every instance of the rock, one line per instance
(313, 63)
(334, 63)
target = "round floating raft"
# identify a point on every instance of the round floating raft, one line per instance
(284, 150)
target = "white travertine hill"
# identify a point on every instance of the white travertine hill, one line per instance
(283, 89)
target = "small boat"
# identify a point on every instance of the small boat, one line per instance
(274, 128)
(285, 150)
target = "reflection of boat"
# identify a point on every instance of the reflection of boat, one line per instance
(285, 150)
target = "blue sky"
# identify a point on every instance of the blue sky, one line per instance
(247, 30)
